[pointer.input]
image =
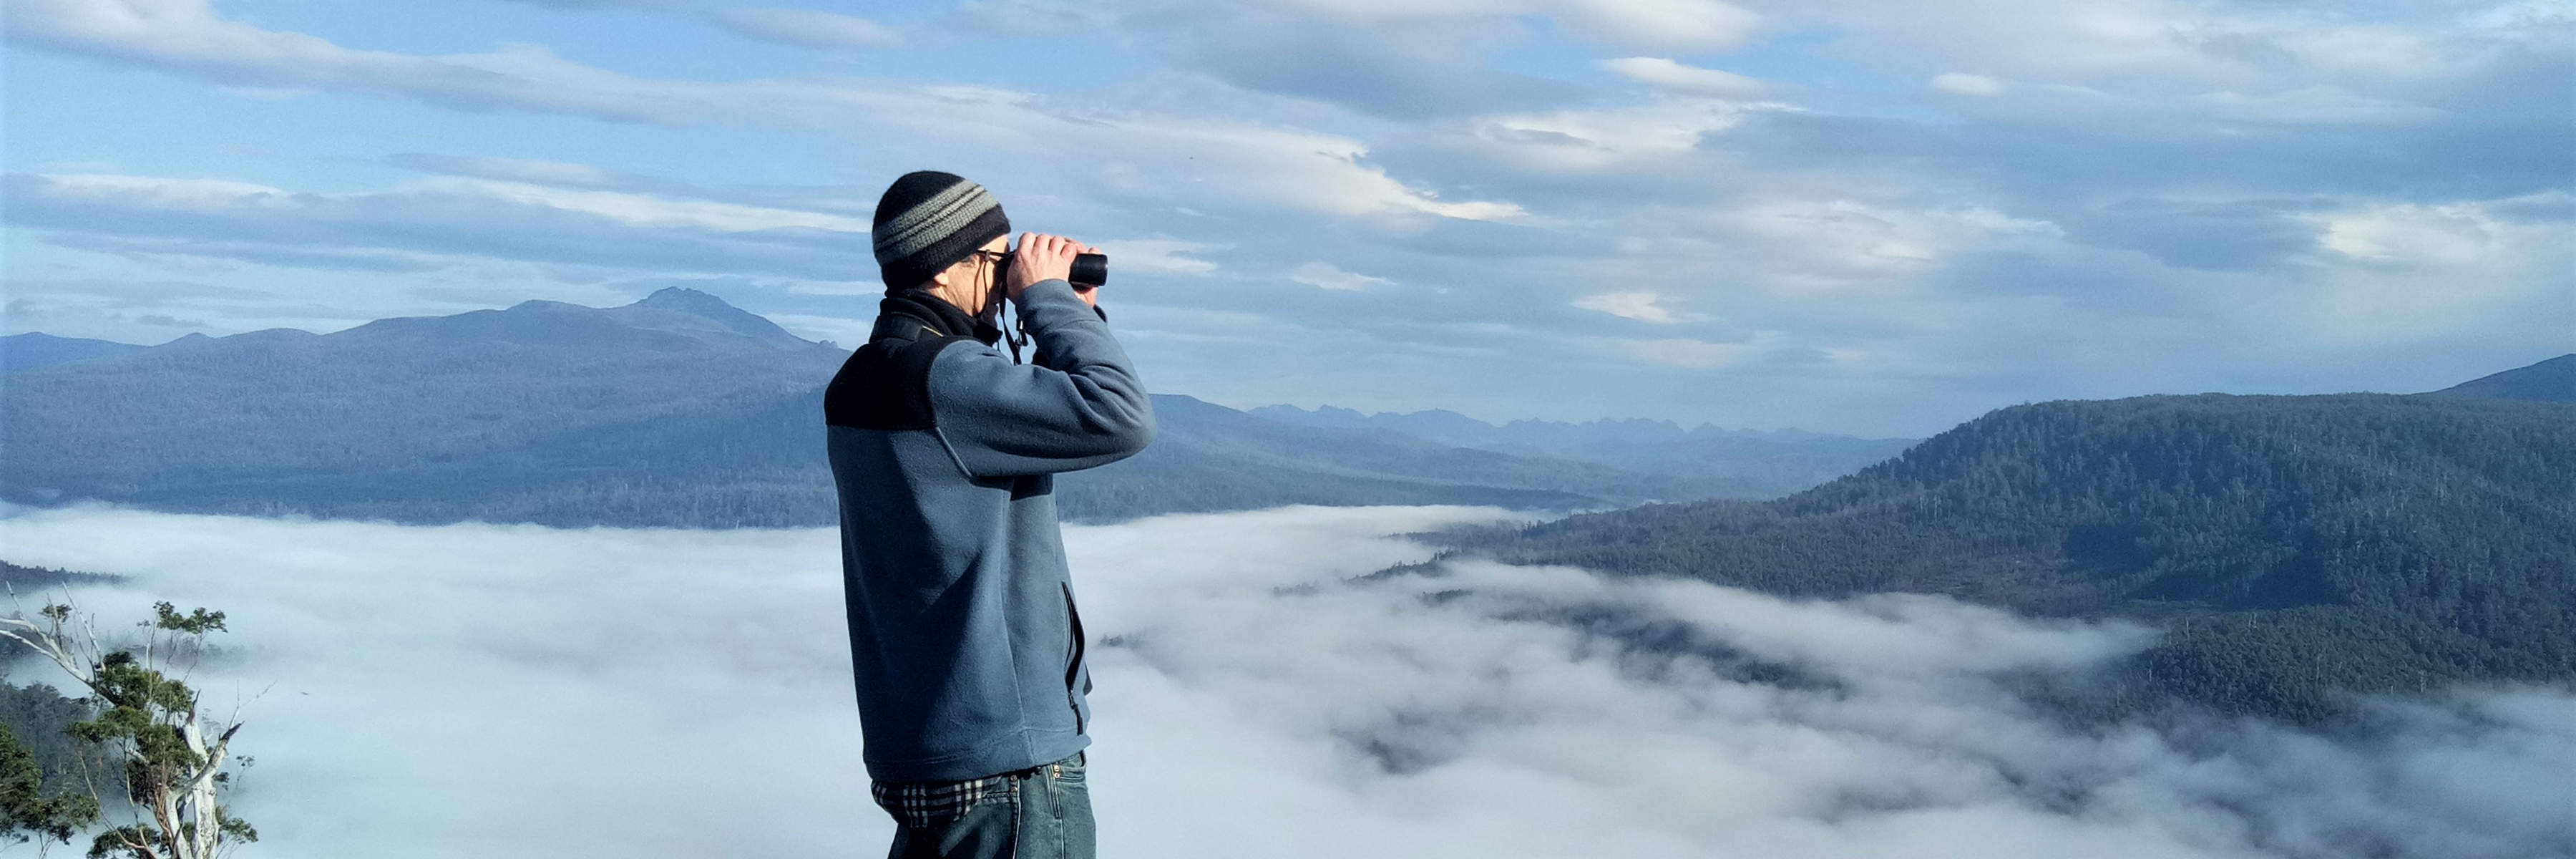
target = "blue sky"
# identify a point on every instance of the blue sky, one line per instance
(1871, 216)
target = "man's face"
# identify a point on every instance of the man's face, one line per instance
(974, 283)
(987, 276)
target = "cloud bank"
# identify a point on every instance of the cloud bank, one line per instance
(519, 691)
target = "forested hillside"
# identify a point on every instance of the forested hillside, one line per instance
(678, 410)
(2293, 545)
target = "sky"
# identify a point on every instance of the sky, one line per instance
(651, 693)
(1879, 217)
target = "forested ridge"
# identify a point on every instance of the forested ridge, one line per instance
(2292, 545)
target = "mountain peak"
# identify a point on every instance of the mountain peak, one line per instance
(679, 308)
(688, 300)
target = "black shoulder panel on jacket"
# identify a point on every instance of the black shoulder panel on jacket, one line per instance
(885, 385)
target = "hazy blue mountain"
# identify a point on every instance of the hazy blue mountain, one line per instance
(2294, 546)
(37, 349)
(676, 410)
(1265, 463)
(1723, 463)
(2553, 381)
(285, 420)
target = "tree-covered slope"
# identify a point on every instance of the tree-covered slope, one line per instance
(2294, 545)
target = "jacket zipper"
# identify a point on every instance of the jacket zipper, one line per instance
(1073, 667)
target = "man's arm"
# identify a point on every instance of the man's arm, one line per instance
(1079, 406)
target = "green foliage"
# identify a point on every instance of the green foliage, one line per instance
(2295, 547)
(139, 704)
(27, 810)
(41, 716)
(195, 622)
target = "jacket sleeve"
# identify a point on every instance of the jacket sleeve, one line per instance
(1077, 405)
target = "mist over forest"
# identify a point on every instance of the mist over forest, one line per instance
(1293, 682)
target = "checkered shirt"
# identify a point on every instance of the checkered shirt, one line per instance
(921, 805)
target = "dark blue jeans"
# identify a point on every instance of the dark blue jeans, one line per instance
(1044, 814)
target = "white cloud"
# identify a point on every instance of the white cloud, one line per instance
(642, 210)
(2157, 57)
(2312, 104)
(1690, 25)
(194, 196)
(2410, 272)
(808, 28)
(1820, 246)
(1645, 136)
(1640, 306)
(1161, 255)
(535, 172)
(1152, 155)
(1960, 83)
(1693, 25)
(1323, 275)
(597, 692)
(1678, 77)
(433, 223)
(1693, 354)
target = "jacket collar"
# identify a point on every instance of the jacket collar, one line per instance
(906, 313)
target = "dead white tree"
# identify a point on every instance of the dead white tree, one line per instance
(149, 722)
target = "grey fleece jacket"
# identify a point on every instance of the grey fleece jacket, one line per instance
(964, 638)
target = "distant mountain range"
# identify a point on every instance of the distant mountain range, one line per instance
(2294, 547)
(676, 410)
(1721, 462)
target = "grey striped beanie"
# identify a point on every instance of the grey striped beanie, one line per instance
(929, 220)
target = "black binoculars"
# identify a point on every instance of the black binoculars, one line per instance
(1088, 269)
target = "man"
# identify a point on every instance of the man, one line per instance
(963, 633)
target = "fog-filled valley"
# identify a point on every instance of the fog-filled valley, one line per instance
(1551, 429)
(1288, 682)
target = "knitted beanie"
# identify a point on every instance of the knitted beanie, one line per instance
(929, 220)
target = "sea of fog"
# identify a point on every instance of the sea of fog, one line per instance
(501, 691)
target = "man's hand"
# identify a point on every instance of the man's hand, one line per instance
(1045, 257)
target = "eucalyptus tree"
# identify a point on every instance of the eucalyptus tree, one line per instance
(172, 755)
